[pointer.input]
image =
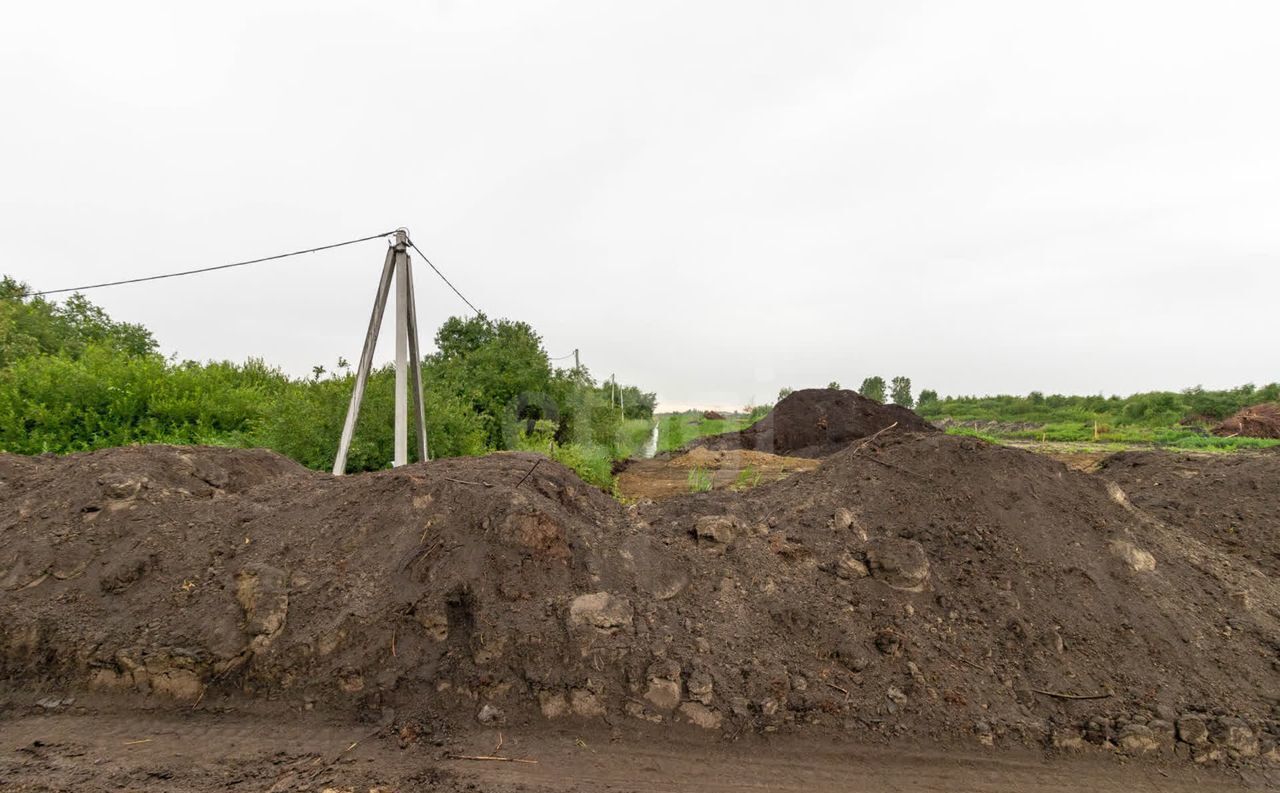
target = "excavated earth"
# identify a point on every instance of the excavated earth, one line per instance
(815, 422)
(700, 468)
(914, 589)
(1230, 501)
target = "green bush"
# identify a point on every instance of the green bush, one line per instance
(592, 462)
(305, 421)
(72, 379)
(100, 398)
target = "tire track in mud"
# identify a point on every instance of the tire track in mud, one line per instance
(261, 752)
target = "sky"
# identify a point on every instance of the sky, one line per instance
(712, 200)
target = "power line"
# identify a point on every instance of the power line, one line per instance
(258, 261)
(561, 358)
(211, 269)
(442, 278)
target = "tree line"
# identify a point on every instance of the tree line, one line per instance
(899, 391)
(73, 379)
(1190, 406)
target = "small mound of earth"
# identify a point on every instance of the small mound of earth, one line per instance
(1257, 421)
(815, 422)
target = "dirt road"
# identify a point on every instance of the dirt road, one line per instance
(218, 752)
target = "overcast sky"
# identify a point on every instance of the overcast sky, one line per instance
(711, 200)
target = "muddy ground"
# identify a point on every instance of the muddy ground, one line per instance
(702, 469)
(106, 750)
(913, 590)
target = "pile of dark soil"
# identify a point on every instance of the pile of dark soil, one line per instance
(156, 570)
(1257, 421)
(815, 422)
(918, 586)
(1231, 501)
(1033, 580)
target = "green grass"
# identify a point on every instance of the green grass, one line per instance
(699, 480)
(591, 460)
(678, 429)
(1175, 439)
(972, 433)
(1165, 419)
(633, 436)
(747, 478)
(1213, 443)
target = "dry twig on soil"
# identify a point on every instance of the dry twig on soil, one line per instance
(961, 659)
(1059, 695)
(873, 436)
(894, 467)
(421, 553)
(493, 758)
(342, 754)
(530, 472)
(841, 689)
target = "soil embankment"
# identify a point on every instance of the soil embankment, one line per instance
(912, 587)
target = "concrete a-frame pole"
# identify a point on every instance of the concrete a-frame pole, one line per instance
(415, 371)
(402, 351)
(407, 359)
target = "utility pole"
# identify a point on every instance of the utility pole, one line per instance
(615, 394)
(408, 360)
(576, 363)
(402, 357)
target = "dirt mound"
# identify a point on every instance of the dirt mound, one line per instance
(919, 586)
(947, 557)
(1258, 421)
(1226, 500)
(125, 571)
(815, 422)
(197, 471)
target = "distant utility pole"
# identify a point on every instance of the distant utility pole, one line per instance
(615, 394)
(397, 262)
(576, 363)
